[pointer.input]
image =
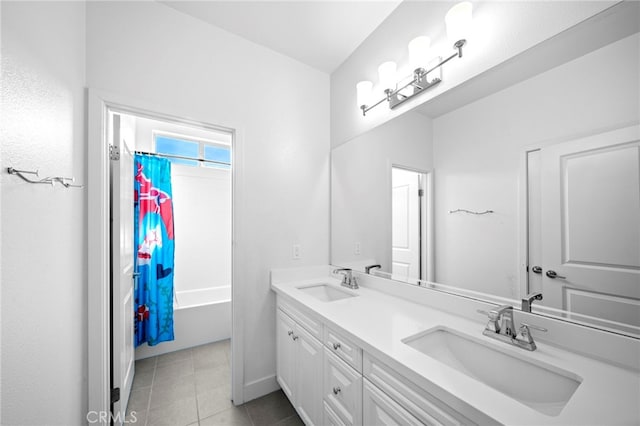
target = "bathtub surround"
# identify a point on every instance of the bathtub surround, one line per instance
(202, 202)
(199, 317)
(201, 197)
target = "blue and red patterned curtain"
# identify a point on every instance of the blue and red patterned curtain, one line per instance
(153, 233)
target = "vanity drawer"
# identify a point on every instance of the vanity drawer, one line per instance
(343, 348)
(342, 389)
(303, 318)
(380, 410)
(424, 406)
(330, 417)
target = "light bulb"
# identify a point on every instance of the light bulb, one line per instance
(458, 21)
(387, 75)
(363, 92)
(419, 54)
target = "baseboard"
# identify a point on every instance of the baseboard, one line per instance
(260, 387)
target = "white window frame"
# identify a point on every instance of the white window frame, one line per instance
(202, 143)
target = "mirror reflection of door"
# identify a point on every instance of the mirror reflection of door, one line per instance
(584, 225)
(409, 214)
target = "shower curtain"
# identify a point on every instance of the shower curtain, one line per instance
(153, 233)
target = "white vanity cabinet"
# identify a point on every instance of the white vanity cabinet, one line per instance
(330, 380)
(380, 410)
(342, 389)
(416, 401)
(299, 365)
(342, 386)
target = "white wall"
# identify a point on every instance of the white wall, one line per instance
(147, 51)
(477, 151)
(202, 217)
(44, 332)
(501, 30)
(361, 170)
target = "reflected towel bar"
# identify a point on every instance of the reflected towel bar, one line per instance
(471, 212)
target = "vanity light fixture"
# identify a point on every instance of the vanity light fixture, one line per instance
(458, 22)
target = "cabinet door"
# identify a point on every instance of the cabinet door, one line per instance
(331, 418)
(342, 389)
(309, 378)
(380, 410)
(286, 353)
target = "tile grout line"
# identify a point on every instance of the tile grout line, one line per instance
(153, 378)
(195, 387)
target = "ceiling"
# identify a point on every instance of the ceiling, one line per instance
(321, 33)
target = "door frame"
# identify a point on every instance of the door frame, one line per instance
(427, 237)
(98, 248)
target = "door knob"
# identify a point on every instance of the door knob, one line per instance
(536, 270)
(554, 275)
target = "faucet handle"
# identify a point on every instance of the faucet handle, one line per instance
(535, 327)
(524, 337)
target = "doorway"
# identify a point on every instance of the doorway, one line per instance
(107, 382)
(412, 252)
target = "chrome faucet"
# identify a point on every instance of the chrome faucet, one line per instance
(348, 280)
(527, 301)
(367, 269)
(501, 321)
(501, 326)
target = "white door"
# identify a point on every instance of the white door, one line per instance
(405, 214)
(590, 199)
(122, 269)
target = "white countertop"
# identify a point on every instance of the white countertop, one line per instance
(377, 322)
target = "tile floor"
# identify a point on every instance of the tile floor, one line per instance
(193, 387)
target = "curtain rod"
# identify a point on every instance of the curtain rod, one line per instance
(180, 157)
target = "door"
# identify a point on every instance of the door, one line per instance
(590, 225)
(406, 231)
(122, 266)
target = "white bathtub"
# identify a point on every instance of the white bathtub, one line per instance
(199, 317)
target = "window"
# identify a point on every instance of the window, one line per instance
(217, 155)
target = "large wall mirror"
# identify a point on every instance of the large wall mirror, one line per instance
(535, 188)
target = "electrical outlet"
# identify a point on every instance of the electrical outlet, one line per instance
(357, 248)
(296, 251)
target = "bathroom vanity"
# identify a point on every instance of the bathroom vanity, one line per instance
(419, 356)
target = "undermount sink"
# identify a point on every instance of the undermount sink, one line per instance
(325, 292)
(542, 387)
